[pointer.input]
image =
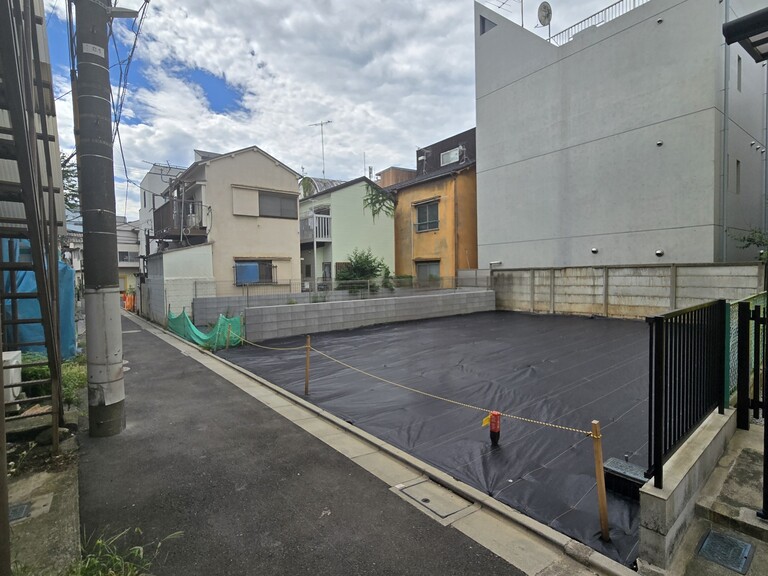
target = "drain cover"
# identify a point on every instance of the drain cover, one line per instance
(18, 511)
(727, 551)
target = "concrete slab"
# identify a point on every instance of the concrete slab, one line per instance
(48, 540)
(387, 469)
(509, 542)
(348, 445)
(435, 498)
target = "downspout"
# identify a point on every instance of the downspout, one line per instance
(724, 158)
(456, 225)
(412, 235)
(765, 155)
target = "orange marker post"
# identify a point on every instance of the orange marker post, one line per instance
(495, 428)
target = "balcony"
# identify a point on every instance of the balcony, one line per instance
(320, 231)
(176, 217)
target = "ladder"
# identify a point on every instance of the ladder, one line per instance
(28, 207)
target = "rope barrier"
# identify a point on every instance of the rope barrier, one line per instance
(293, 348)
(587, 433)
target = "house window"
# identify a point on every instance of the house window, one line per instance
(426, 216)
(254, 272)
(738, 176)
(449, 157)
(128, 256)
(274, 205)
(738, 73)
(426, 271)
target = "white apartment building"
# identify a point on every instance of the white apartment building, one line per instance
(607, 145)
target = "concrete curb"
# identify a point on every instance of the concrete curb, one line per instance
(568, 546)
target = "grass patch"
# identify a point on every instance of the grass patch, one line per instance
(74, 377)
(110, 556)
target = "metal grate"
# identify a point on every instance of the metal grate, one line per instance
(19, 511)
(727, 551)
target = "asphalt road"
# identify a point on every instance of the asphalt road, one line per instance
(252, 493)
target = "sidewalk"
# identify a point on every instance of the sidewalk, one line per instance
(260, 485)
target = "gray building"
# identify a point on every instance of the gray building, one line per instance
(607, 144)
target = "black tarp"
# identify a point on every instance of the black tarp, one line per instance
(558, 369)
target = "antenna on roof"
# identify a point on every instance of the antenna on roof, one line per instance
(322, 139)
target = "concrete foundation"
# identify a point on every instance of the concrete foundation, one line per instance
(666, 513)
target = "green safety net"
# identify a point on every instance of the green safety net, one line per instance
(227, 331)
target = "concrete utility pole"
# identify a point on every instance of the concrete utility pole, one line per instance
(106, 386)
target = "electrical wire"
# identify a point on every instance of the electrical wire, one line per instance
(50, 12)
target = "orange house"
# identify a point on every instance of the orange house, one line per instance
(436, 212)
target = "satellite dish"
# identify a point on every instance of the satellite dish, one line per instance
(545, 13)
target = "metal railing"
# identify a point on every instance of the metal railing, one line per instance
(317, 227)
(687, 359)
(605, 15)
(178, 215)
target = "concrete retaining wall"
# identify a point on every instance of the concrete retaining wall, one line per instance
(666, 513)
(623, 291)
(206, 310)
(267, 322)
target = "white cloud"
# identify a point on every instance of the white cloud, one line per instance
(391, 75)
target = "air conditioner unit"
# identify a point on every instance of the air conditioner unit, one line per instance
(12, 376)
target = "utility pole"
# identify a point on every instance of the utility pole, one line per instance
(322, 139)
(106, 386)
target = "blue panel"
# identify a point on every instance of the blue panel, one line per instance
(246, 273)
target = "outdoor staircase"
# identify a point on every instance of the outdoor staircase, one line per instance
(28, 200)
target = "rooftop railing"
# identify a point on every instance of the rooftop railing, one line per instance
(605, 15)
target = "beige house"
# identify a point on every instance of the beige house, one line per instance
(244, 206)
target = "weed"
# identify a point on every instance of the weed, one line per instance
(104, 556)
(74, 376)
(14, 466)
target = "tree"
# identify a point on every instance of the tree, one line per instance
(71, 188)
(755, 238)
(378, 201)
(361, 265)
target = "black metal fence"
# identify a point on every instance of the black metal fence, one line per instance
(687, 361)
(754, 321)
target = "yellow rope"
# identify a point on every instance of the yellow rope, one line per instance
(450, 401)
(302, 347)
(417, 391)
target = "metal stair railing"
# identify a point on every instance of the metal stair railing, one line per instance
(29, 102)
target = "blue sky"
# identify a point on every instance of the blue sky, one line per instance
(392, 75)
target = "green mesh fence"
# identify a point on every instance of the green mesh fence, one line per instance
(732, 339)
(227, 331)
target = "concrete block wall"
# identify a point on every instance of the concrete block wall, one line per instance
(207, 309)
(268, 322)
(153, 300)
(637, 292)
(179, 293)
(579, 291)
(623, 291)
(699, 285)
